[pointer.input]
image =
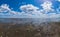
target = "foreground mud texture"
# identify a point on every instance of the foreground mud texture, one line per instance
(51, 29)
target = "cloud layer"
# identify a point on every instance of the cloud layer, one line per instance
(30, 11)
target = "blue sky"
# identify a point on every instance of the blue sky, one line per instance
(16, 3)
(29, 8)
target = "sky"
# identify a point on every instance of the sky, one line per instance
(29, 8)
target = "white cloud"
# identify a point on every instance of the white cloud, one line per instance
(40, 13)
(4, 8)
(28, 8)
(47, 6)
(30, 11)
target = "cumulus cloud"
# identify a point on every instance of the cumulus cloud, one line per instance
(35, 12)
(47, 6)
(4, 8)
(28, 8)
(31, 11)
